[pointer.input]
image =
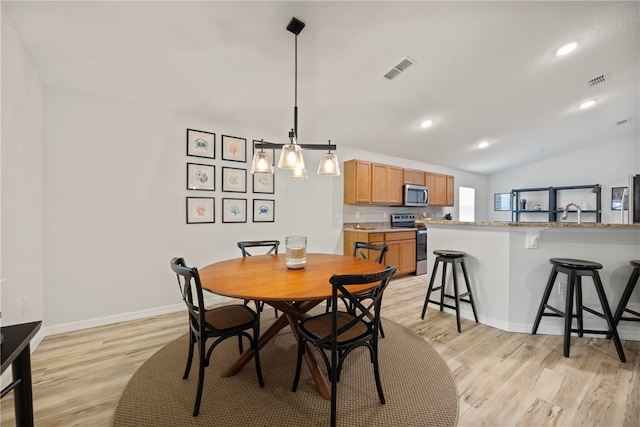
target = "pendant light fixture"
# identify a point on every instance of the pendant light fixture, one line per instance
(261, 162)
(291, 155)
(329, 164)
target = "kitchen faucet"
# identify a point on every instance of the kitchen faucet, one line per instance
(566, 209)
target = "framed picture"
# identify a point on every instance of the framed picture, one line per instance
(502, 202)
(270, 151)
(201, 177)
(201, 144)
(234, 148)
(263, 183)
(200, 210)
(617, 201)
(263, 210)
(234, 210)
(234, 180)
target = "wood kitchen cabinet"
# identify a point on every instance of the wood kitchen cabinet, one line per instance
(402, 251)
(412, 176)
(386, 184)
(450, 191)
(402, 247)
(441, 189)
(357, 182)
(372, 183)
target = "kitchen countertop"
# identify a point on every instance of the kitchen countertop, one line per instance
(532, 224)
(386, 228)
(382, 229)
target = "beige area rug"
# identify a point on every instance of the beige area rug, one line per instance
(418, 386)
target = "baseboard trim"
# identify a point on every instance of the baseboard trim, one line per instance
(122, 317)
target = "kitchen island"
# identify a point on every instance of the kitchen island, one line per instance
(508, 266)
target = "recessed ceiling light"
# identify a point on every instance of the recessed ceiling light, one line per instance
(483, 144)
(587, 104)
(566, 48)
(426, 123)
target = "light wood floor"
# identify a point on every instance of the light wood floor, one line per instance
(504, 379)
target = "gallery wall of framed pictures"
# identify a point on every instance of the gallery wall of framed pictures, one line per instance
(226, 173)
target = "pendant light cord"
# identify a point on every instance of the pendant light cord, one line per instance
(295, 108)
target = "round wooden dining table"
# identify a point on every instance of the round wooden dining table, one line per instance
(294, 292)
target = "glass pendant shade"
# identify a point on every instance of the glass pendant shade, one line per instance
(261, 163)
(290, 156)
(329, 165)
(299, 172)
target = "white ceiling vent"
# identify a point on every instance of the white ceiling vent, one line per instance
(405, 63)
(597, 80)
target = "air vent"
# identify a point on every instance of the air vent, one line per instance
(597, 80)
(402, 65)
(621, 122)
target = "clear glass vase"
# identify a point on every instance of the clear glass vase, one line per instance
(296, 252)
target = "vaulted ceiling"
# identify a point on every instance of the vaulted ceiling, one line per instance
(483, 70)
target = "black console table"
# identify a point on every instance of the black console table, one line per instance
(16, 351)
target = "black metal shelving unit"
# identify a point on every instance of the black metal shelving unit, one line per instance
(552, 213)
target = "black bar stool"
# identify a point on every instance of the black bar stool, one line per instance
(450, 257)
(622, 306)
(575, 269)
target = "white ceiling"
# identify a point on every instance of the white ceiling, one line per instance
(485, 70)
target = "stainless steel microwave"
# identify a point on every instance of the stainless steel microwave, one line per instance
(415, 195)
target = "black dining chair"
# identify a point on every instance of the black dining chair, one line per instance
(339, 332)
(272, 246)
(366, 251)
(221, 323)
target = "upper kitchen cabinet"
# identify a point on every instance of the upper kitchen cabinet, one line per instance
(450, 190)
(411, 176)
(372, 183)
(386, 184)
(357, 182)
(441, 189)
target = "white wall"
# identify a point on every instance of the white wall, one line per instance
(607, 164)
(115, 205)
(115, 177)
(22, 183)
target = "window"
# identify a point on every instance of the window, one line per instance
(467, 197)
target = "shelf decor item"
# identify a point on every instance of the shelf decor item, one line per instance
(234, 149)
(234, 210)
(201, 144)
(234, 180)
(200, 210)
(263, 210)
(201, 177)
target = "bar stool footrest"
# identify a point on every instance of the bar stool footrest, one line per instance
(444, 304)
(591, 331)
(597, 313)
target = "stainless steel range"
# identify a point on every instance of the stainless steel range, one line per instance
(407, 220)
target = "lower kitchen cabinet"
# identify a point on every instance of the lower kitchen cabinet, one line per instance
(402, 251)
(402, 247)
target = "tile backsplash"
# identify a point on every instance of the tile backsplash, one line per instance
(364, 214)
